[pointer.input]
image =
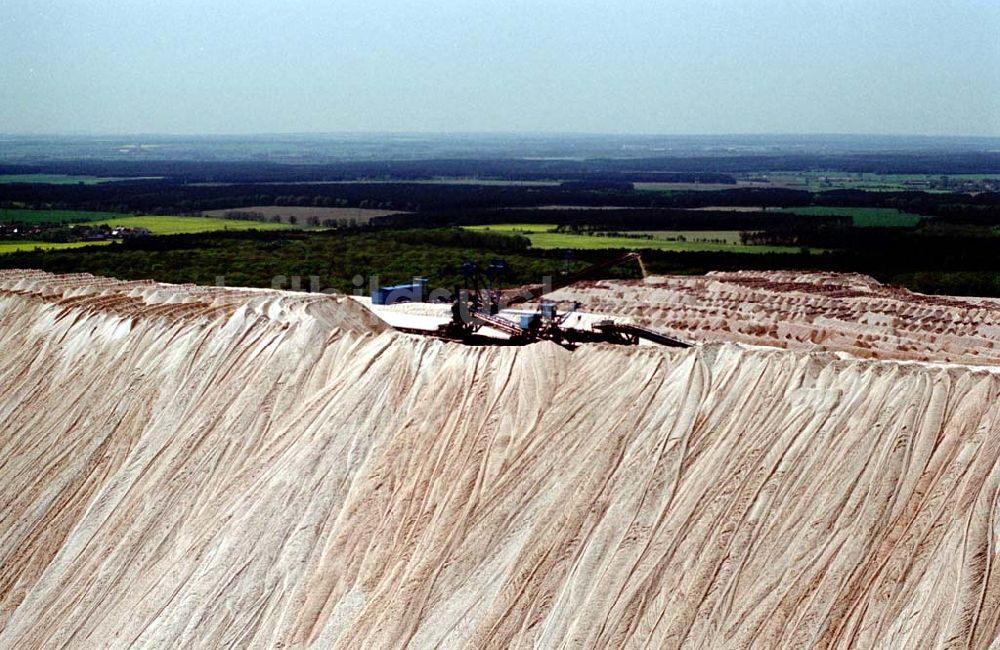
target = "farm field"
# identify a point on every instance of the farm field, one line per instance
(540, 237)
(17, 246)
(659, 186)
(65, 179)
(702, 236)
(157, 226)
(10, 215)
(184, 225)
(863, 217)
(829, 180)
(302, 215)
(444, 180)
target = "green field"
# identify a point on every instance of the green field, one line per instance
(16, 246)
(156, 226)
(863, 217)
(702, 236)
(184, 225)
(10, 215)
(818, 181)
(60, 179)
(540, 237)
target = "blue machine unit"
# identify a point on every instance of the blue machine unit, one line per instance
(528, 320)
(413, 292)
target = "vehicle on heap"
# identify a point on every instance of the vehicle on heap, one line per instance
(481, 300)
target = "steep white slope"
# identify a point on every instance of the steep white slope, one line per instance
(837, 312)
(199, 468)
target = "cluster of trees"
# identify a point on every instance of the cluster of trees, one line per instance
(950, 262)
(953, 251)
(335, 258)
(579, 220)
(959, 207)
(440, 204)
(308, 220)
(61, 233)
(678, 168)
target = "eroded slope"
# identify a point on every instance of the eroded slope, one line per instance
(269, 469)
(804, 311)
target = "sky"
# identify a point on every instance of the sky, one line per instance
(918, 67)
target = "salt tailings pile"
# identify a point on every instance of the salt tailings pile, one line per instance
(805, 311)
(187, 467)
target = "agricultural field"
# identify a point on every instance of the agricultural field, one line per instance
(18, 246)
(11, 215)
(542, 236)
(63, 179)
(832, 180)
(702, 236)
(184, 225)
(659, 186)
(315, 216)
(155, 224)
(862, 217)
(828, 180)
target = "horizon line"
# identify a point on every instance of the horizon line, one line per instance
(486, 133)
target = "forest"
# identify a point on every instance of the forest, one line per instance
(942, 242)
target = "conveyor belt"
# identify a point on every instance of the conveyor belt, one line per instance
(610, 327)
(500, 323)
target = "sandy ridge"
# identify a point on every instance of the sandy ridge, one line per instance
(847, 313)
(284, 472)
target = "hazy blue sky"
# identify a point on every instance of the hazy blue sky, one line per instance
(723, 66)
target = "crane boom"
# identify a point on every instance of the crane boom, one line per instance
(534, 292)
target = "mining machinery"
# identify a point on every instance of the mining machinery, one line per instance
(479, 302)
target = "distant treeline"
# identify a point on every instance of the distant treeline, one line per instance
(164, 197)
(627, 219)
(966, 208)
(951, 261)
(445, 201)
(183, 172)
(627, 169)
